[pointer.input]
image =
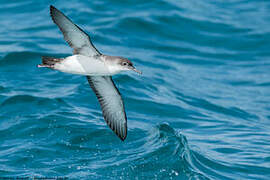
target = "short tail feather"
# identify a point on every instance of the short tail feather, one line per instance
(49, 61)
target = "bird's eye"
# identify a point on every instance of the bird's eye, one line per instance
(124, 64)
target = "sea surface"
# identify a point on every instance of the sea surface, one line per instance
(200, 110)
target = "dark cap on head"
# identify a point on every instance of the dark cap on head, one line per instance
(125, 61)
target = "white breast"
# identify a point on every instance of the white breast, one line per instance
(84, 65)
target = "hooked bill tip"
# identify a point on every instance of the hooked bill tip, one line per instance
(137, 71)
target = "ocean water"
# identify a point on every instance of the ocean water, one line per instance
(201, 109)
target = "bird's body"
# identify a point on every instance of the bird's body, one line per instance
(84, 65)
(98, 69)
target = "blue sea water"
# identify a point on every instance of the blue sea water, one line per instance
(201, 109)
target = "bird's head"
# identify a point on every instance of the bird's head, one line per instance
(127, 65)
(118, 64)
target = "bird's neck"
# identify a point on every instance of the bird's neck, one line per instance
(113, 69)
(112, 66)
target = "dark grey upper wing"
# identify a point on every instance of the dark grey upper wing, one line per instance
(74, 35)
(111, 103)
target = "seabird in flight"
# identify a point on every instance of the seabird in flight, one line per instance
(97, 67)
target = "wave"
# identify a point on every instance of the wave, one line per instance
(205, 71)
(174, 148)
(162, 153)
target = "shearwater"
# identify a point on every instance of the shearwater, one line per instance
(97, 67)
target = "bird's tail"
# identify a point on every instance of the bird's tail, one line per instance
(49, 62)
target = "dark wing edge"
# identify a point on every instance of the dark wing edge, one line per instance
(111, 104)
(73, 34)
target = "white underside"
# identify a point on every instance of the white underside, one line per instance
(84, 65)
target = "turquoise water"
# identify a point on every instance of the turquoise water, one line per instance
(200, 110)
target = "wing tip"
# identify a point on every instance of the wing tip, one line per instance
(122, 134)
(52, 9)
(52, 12)
(122, 137)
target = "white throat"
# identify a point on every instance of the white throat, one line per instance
(112, 66)
(114, 69)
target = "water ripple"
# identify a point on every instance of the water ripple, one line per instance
(200, 110)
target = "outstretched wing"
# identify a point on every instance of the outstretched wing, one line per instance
(111, 103)
(74, 35)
